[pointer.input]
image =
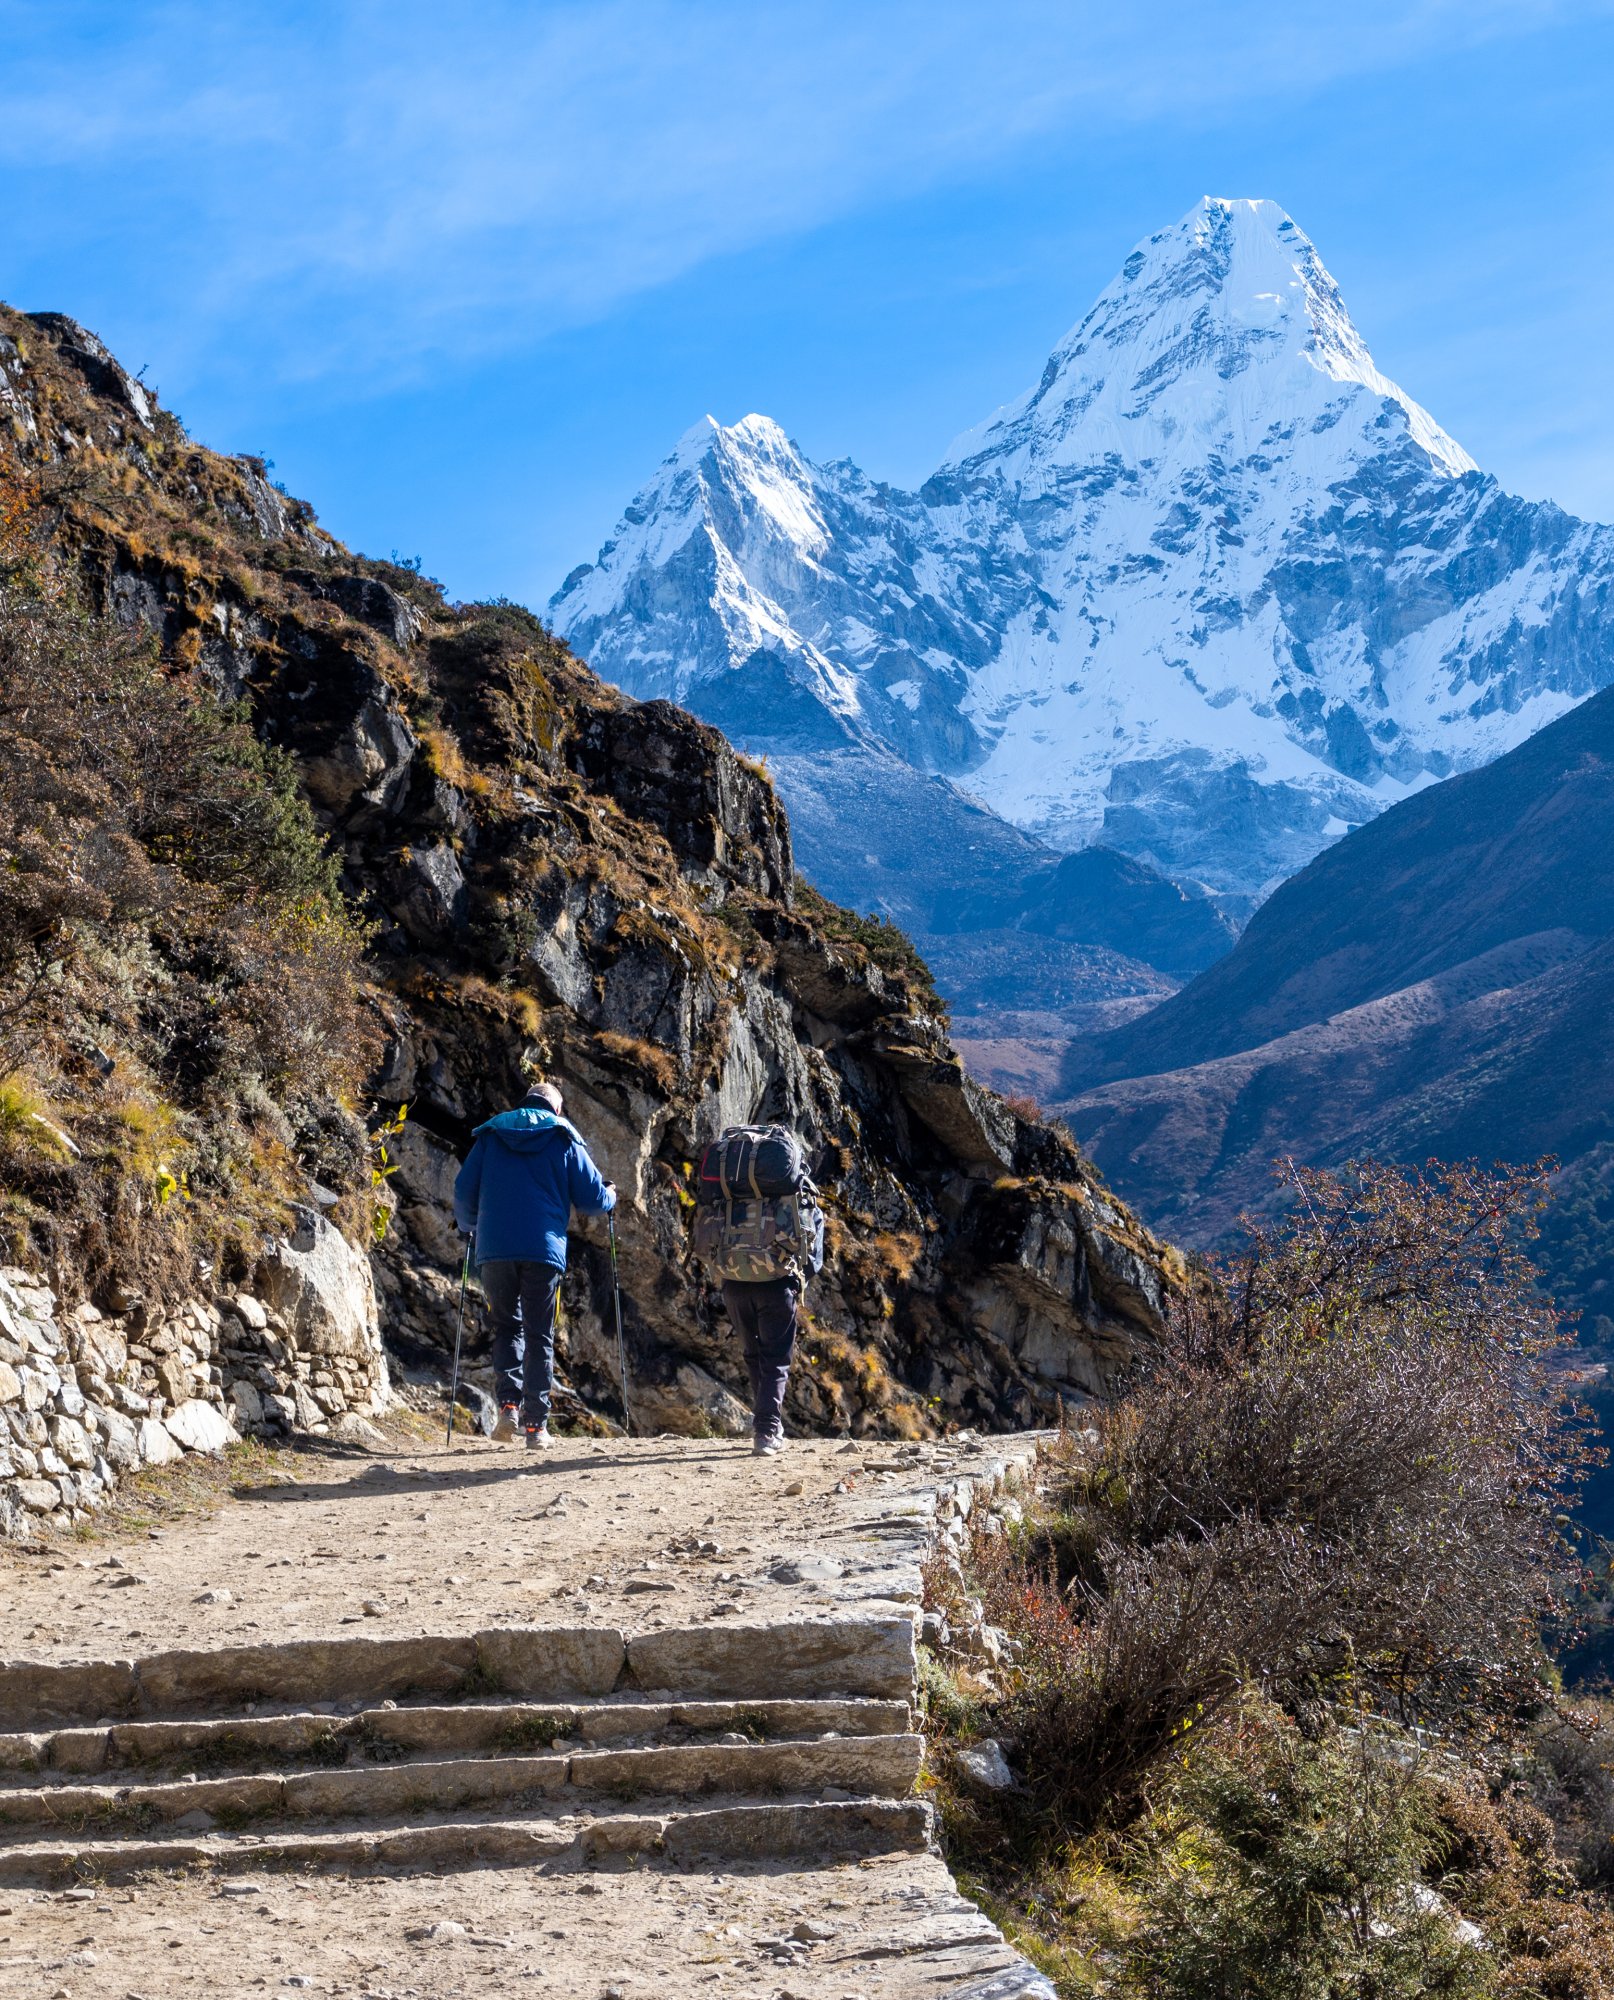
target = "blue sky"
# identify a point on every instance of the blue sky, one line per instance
(467, 272)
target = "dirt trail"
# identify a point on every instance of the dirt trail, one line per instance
(407, 1537)
(889, 1929)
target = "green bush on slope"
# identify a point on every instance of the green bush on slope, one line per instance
(1278, 1868)
(179, 973)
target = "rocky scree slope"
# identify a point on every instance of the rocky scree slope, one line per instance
(1436, 985)
(553, 870)
(1212, 591)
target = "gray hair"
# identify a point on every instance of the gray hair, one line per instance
(547, 1093)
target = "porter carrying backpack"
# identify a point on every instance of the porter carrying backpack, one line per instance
(757, 1215)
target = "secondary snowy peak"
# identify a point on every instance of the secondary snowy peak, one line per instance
(778, 598)
(745, 485)
(686, 583)
(1212, 591)
(1224, 325)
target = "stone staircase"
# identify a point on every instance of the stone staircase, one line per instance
(552, 1744)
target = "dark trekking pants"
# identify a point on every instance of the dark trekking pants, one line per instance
(521, 1303)
(765, 1316)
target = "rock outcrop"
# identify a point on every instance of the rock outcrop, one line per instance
(561, 877)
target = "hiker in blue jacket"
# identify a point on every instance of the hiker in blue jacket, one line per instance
(514, 1196)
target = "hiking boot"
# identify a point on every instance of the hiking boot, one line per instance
(538, 1438)
(770, 1443)
(504, 1431)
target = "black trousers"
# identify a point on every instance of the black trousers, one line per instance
(765, 1316)
(521, 1303)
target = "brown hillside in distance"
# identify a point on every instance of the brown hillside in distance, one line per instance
(1438, 984)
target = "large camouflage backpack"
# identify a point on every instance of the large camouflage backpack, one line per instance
(757, 1215)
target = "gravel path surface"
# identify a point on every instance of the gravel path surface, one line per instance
(405, 1536)
(892, 1929)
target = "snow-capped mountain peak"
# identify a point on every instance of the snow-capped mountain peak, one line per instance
(1211, 591)
(1226, 326)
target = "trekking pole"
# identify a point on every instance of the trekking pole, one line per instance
(621, 1349)
(459, 1328)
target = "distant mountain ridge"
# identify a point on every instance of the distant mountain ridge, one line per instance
(1210, 593)
(1438, 983)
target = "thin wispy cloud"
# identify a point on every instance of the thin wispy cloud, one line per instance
(361, 189)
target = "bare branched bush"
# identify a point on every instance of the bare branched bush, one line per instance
(1342, 1473)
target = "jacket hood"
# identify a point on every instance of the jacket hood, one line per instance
(530, 1128)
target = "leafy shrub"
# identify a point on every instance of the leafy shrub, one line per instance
(1275, 1862)
(134, 804)
(165, 892)
(1278, 1868)
(1567, 1765)
(1503, 1866)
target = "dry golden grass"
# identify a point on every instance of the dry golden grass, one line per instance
(645, 1056)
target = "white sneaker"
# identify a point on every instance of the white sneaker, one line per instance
(768, 1445)
(507, 1428)
(539, 1440)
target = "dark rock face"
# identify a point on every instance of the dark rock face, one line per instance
(561, 877)
(359, 746)
(376, 604)
(719, 816)
(1437, 984)
(1109, 901)
(429, 898)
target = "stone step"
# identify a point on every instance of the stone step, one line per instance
(483, 1728)
(817, 1710)
(783, 1829)
(866, 1766)
(807, 1659)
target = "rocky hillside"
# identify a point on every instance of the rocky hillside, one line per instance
(1437, 984)
(537, 871)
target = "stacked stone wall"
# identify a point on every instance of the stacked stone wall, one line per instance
(87, 1397)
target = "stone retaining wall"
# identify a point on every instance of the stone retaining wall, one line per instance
(87, 1396)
